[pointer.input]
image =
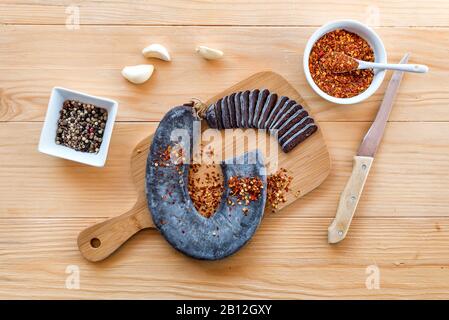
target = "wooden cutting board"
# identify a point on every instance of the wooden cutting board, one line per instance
(308, 164)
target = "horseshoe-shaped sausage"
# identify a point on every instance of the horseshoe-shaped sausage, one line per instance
(170, 205)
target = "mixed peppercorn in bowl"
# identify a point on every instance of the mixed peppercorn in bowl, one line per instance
(78, 126)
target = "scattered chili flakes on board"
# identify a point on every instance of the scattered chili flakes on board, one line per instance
(341, 85)
(245, 190)
(205, 188)
(278, 185)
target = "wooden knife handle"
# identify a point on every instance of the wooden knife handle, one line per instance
(101, 240)
(349, 199)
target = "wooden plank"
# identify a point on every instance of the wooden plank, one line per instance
(407, 178)
(401, 225)
(225, 12)
(287, 258)
(33, 59)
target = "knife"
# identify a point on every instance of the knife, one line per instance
(350, 196)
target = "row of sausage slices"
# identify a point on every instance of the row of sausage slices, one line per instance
(262, 109)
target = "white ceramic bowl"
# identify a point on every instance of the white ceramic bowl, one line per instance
(47, 143)
(366, 33)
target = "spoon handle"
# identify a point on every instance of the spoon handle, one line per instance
(416, 68)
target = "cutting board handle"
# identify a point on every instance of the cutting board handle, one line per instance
(101, 240)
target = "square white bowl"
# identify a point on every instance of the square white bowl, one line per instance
(47, 142)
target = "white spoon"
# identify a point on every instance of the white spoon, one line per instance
(338, 62)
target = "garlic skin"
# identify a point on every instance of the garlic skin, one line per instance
(209, 53)
(138, 74)
(156, 50)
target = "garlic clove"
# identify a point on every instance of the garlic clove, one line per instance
(156, 50)
(209, 53)
(138, 74)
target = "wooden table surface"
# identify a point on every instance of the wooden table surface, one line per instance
(401, 229)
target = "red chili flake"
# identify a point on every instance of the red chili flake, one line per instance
(338, 62)
(277, 186)
(205, 191)
(171, 156)
(245, 189)
(341, 85)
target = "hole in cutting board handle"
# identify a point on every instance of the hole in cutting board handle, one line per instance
(95, 243)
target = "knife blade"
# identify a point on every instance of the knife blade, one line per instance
(372, 139)
(350, 196)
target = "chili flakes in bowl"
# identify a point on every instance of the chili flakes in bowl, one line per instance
(347, 84)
